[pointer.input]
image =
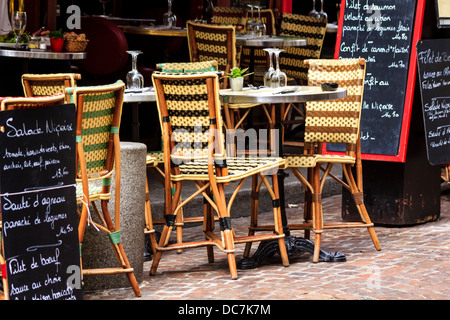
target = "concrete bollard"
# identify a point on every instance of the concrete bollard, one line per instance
(97, 251)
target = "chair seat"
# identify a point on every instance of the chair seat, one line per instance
(95, 193)
(154, 158)
(310, 161)
(238, 168)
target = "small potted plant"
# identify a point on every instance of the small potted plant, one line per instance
(57, 40)
(237, 78)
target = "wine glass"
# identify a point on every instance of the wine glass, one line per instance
(250, 25)
(321, 14)
(169, 18)
(18, 23)
(313, 12)
(260, 27)
(278, 78)
(271, 70)
(104, 2)
(135, 80)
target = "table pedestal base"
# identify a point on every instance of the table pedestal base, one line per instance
(267, 249)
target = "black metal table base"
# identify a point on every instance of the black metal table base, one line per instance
(267, 249)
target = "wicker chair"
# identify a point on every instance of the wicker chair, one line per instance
(207, 42)
(229, 16)
(48, 84)
(155, 158)
(291, 62)
(199, 156)
(99, 110)
(10, 103)
(335, 121)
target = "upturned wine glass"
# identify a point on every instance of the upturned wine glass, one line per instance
(135, 80)
(278, 78)
(250, 25)
(321, 14)
(104, 2)
(268, 74)
(18, 24)
(313, 12)
(169, 18)
(260, 27)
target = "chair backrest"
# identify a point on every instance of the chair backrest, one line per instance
(99, 110)
(209, 42)
(313, 30)
(187, 67)
(229, 16)
(335, 121)
(48, 84)
(11, 103)
(188, 106)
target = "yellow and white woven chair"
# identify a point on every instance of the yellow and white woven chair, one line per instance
(214, 42)
(156, 158)
(48, 84)
(334, 121)
(99, 109)
(194, 150)
(229, 16)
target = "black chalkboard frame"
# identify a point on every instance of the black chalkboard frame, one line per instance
(409, 94)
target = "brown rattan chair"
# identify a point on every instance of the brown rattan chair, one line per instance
(213, 42)
(187, 105)
(337, 122)
(291, 61)
(48, 84)
(99, 110)
(156, 158)
(229, 16)
(11, 103)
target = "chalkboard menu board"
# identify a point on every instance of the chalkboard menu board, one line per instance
(433, 58)
(381, 32)
(38, 203)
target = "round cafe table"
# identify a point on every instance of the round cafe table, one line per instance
(290, 94)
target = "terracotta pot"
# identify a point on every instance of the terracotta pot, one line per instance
(57, 44)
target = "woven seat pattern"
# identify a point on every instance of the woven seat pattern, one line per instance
(313, 30)
(238, 168)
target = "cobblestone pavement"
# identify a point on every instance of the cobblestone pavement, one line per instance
(412, 264)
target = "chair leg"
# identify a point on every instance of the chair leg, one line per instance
(208, 226)
(317, 211)
(357, 196)
(253, 214)
(149, 219)
(279, 224)
(165, 234)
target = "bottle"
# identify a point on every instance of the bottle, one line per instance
(207, 11)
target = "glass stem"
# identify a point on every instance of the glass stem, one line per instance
(270, 60)
(314, 5)
(277, 54)
(134, 62)
(169, 3)
(321, 6)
